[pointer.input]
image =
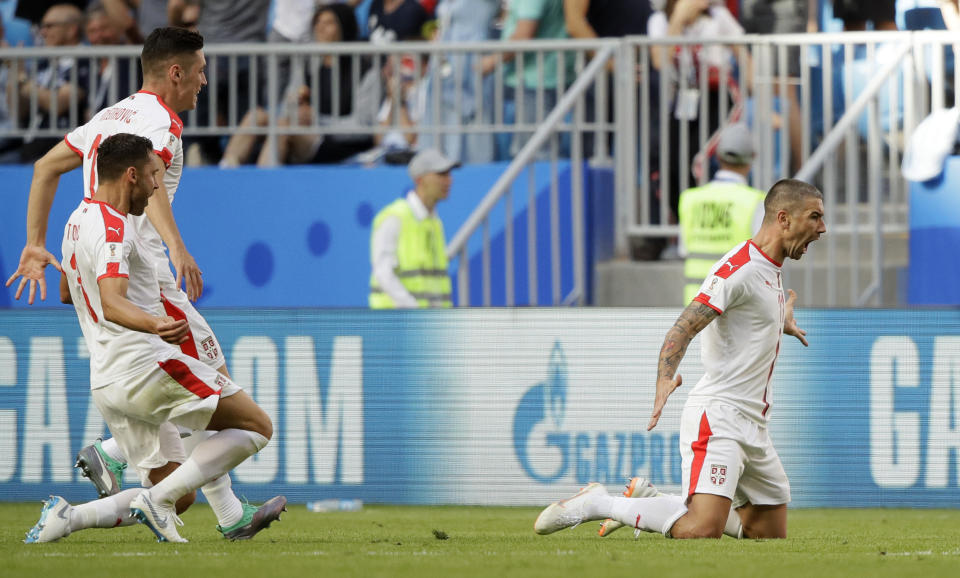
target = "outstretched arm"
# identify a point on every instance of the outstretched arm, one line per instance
(789, 323)
(691, 322)
(35, 257)
(160, 214)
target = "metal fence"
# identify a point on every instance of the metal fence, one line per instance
(833, 109)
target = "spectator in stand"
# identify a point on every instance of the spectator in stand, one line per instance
(392, 20)
(290, 27)
(604, 19)
(53, 88)
(527, 20)
(331, 23)
(693, 19)
(784, 17)
(395, 103)
(34, 10)
(137, 18)
(856, 13)
(223, 22)
(114, 81)
(391, 94)
(460, 21)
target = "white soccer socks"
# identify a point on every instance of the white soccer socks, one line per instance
(112, 449)
(108, 512)
(211, 459)
(223, 501)
(657, 514)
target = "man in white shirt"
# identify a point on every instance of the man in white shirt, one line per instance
(140, 382)
(728, 459)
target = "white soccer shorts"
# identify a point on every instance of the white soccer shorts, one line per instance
(726, 454)
(181, 390)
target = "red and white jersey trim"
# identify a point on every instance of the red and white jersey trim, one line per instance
(740, 347)
(98, 244)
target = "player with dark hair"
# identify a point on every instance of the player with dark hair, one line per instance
(728, 458)
(140, 381)
(173, 69)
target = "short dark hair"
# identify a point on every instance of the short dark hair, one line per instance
(787, 194)
(165, 43)
(119, 152)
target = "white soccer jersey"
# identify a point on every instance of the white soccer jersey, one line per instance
(143, 114)
(739, 349)
(98, 243)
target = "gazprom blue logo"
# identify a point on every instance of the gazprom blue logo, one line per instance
(545, 397)
(548, 451)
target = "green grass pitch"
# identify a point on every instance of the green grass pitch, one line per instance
(484, 541)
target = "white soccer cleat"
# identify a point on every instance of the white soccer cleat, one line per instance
(568, 513)
(638, 487)
(54, 522)
(160, 518)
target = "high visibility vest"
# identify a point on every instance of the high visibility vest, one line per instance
(714, 218)
(421, 259)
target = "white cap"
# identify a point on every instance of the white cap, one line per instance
(429, 161)
(736, 145)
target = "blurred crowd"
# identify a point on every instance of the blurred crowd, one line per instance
(340, 91)
(405, 95)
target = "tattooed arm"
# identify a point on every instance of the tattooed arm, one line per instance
(691, 322)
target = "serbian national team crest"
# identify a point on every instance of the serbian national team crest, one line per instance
(210, 348)
(718, 474)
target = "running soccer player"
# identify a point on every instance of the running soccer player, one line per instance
(173, 69)
(728, 458)
(139, 381)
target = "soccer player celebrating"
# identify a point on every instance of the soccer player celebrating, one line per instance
(140, 381)
(728, 458)
(173, 70)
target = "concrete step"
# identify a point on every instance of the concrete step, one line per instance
(621, 283)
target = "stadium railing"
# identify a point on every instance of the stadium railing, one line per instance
(859, 95)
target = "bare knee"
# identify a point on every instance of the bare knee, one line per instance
(239, 411)
(695, 531)
(264, 425)
(185, 502)
(764, 522)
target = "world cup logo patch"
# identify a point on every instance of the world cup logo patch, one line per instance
(718, 474)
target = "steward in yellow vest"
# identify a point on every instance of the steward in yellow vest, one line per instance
(408, 251)
(724, 212)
